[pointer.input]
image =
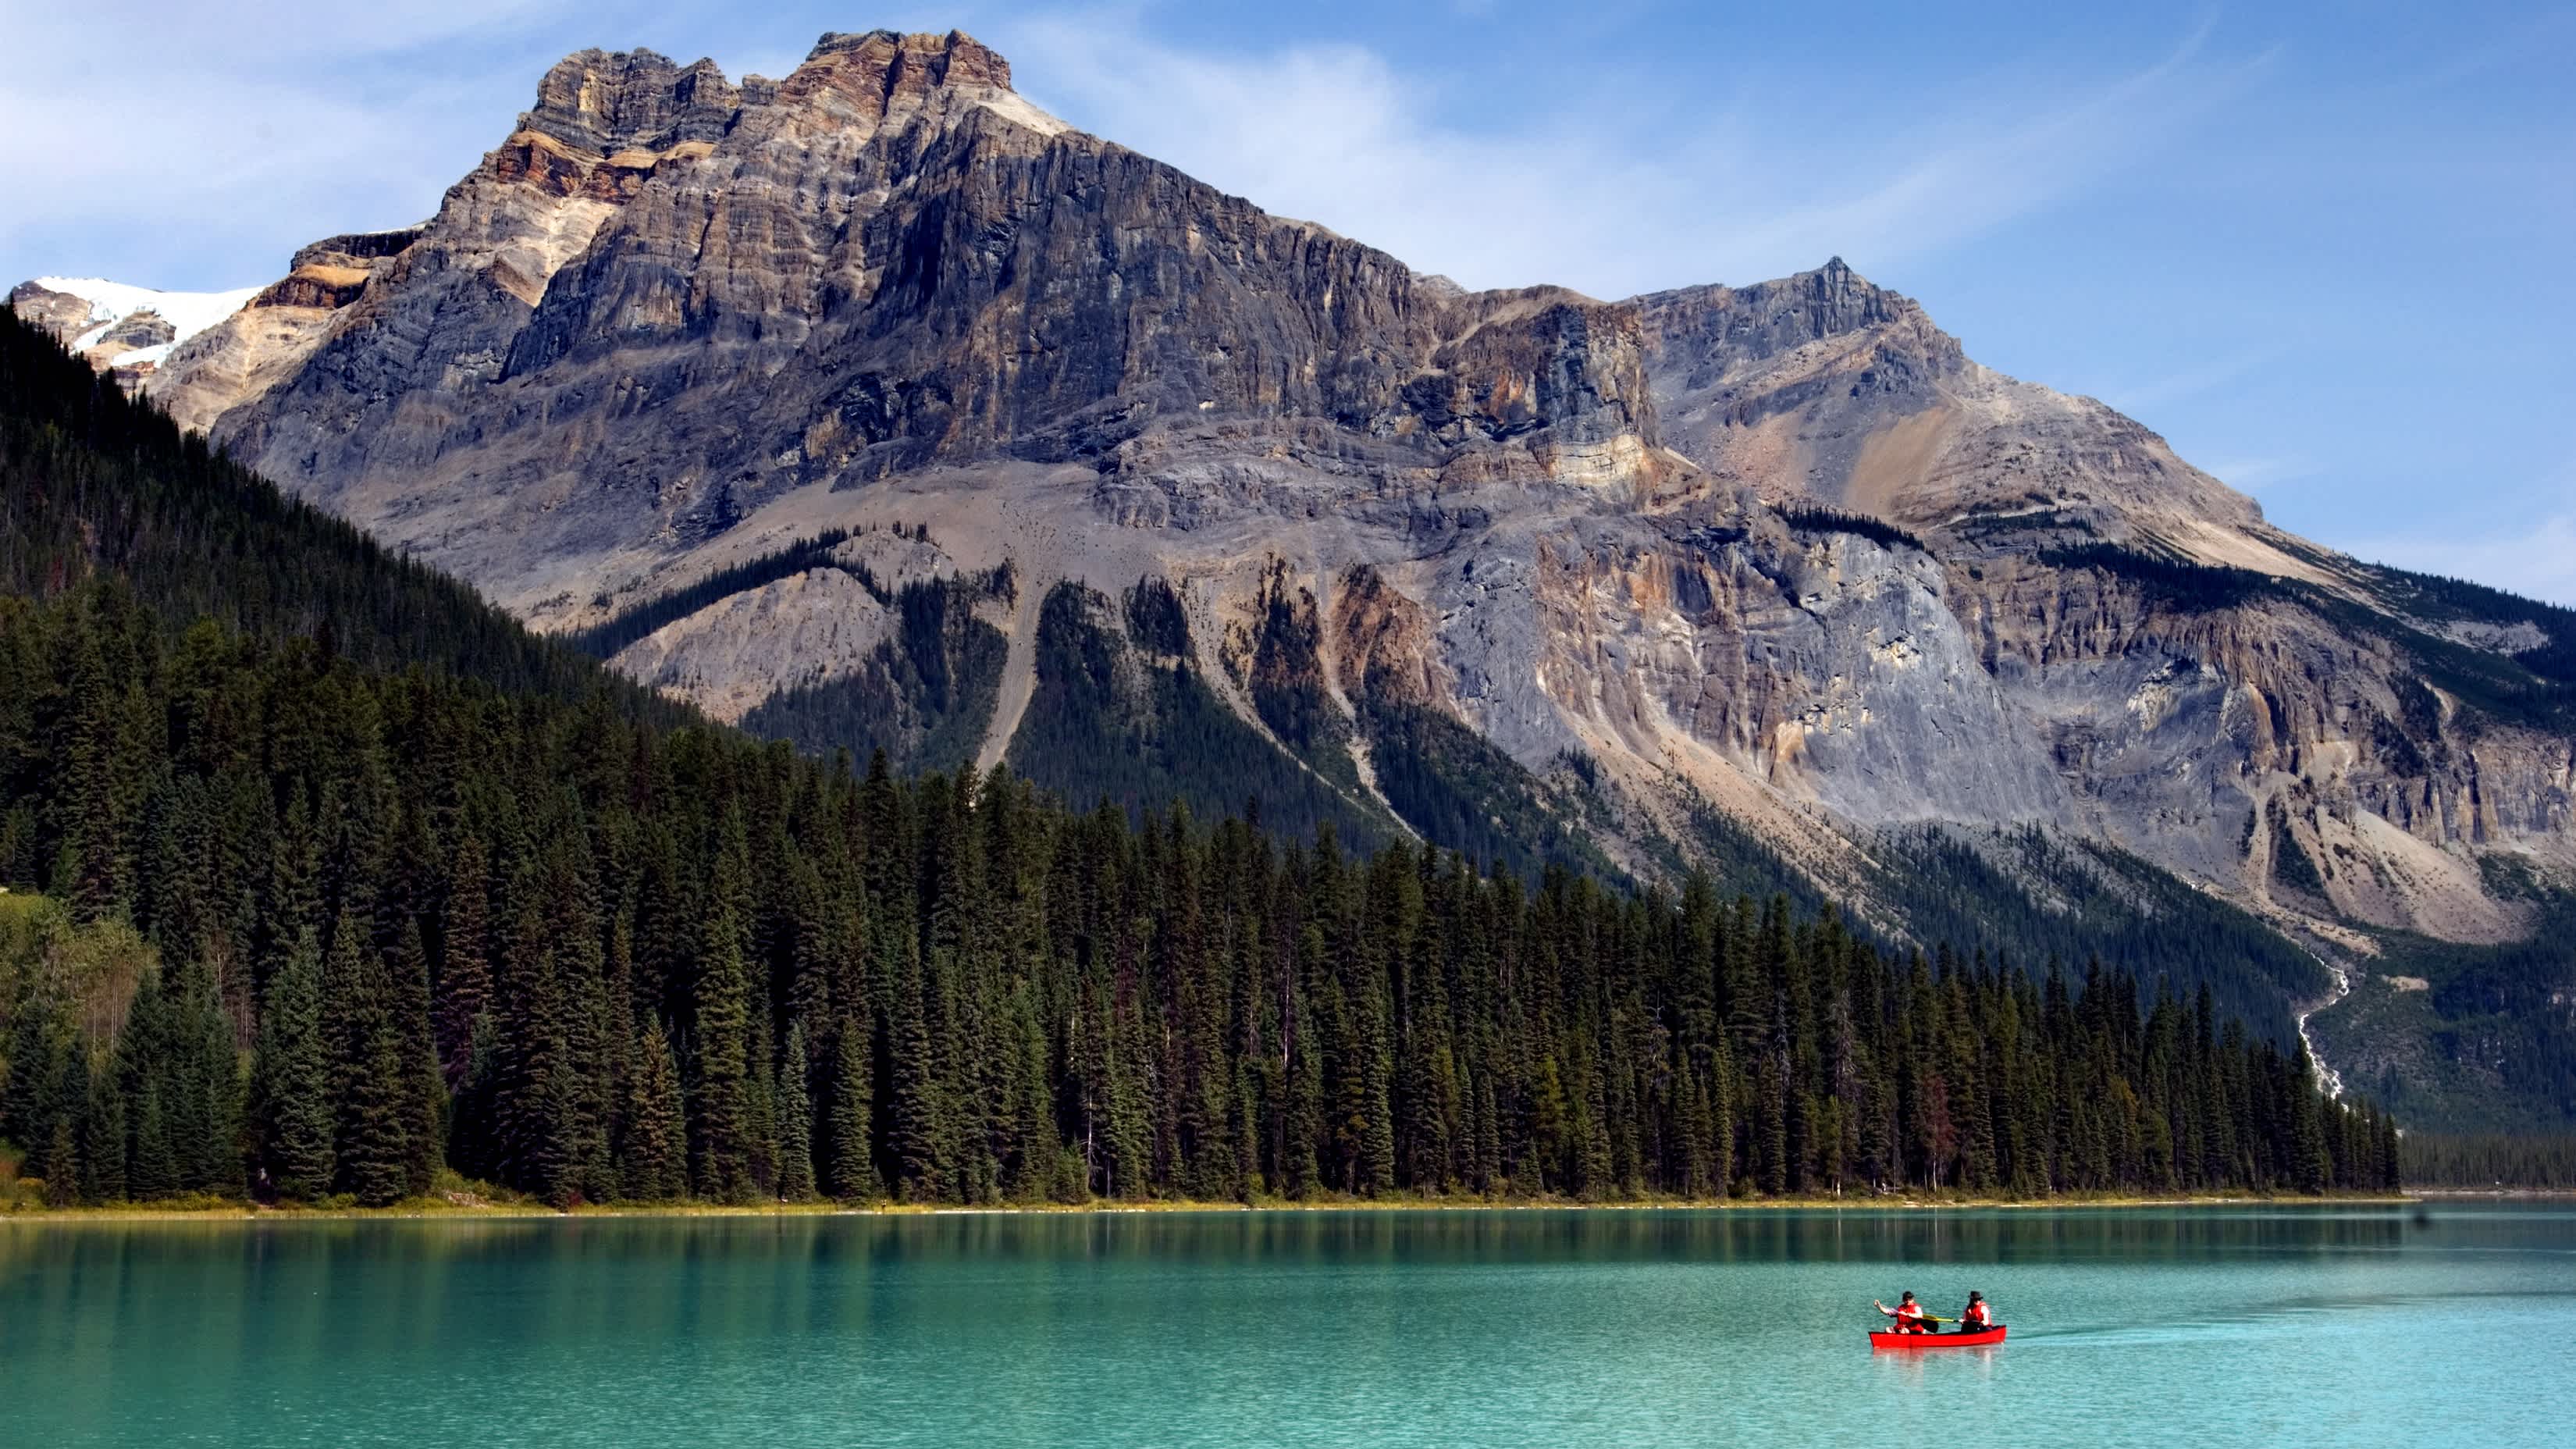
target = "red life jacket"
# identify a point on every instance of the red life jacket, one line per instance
(1906, 1311)
(1976, 1314)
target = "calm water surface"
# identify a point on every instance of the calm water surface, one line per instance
(2188, 1326)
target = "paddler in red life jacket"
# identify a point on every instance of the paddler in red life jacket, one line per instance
(1907, 1313)
(1976, 1317)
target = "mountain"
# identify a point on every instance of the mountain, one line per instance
(1023, 447)
(353, 890)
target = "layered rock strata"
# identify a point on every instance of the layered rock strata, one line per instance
(1782, 550)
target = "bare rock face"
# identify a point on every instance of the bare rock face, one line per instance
(2191, 728)
(59, 313)
(1782, 551)
(809, 628)
(1825, 387)
(728, 657)
(131, 332)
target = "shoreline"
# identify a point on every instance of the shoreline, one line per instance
(2494, 1192)
(481, 1211)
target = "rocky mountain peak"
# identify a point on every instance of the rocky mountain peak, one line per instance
(1834, 298)
(606, 102)
(1721, 324)
(952, 59)
(884, 74)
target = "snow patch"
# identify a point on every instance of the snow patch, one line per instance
(188, 313)
(143, 356)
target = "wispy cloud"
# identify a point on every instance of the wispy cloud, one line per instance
(1597, 183)
(154, 140)
(2254, 475)
(2533, 555)
(2202, 377)
(1599, 190)
(2536, 560)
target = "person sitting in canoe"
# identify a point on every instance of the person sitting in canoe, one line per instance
(1977, 1317)
(1907, 1313)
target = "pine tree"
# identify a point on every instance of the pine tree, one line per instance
(62, 1165)
(795, 1122)
(721, 1129)
(1377, 1134)
(108, 1177)
(656, 1144)
(912, 1108)
(852, 1175)
(1302, 1128)
(1032, 1103)
(535, 1078)
(203, 1102)
(372, 1137)
(155, 1159)
(2312, 1164)
(760, 1105)
(40, 1048)
(423, 1092)
(293, 903)
(95, 843)
(292, 1077)
(465, 966)
(379, 1160)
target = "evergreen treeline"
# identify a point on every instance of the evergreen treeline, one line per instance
(405, 920)
(94, 482)
(1816, 518)
(2439, 597)
(1107, 718)
(604, 639)
(2035, 896)
(2503, 1021)
(2535, 689)
(2541, 1164)
(2170, 577)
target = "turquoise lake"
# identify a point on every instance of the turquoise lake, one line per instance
(2325, 1326)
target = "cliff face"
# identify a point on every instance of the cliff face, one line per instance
(2212, 693)
(1825, 387)
(665, 301)
(1782, 552)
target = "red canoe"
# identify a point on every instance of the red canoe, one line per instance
(1978, 1339)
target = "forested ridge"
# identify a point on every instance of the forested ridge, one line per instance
(592, 958)
(334, 904)
(2492, 1161)
(92, 481)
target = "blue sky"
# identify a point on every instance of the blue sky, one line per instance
(2324, 249)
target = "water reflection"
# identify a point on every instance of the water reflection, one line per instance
(46, 1258)
(1326, 1328)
